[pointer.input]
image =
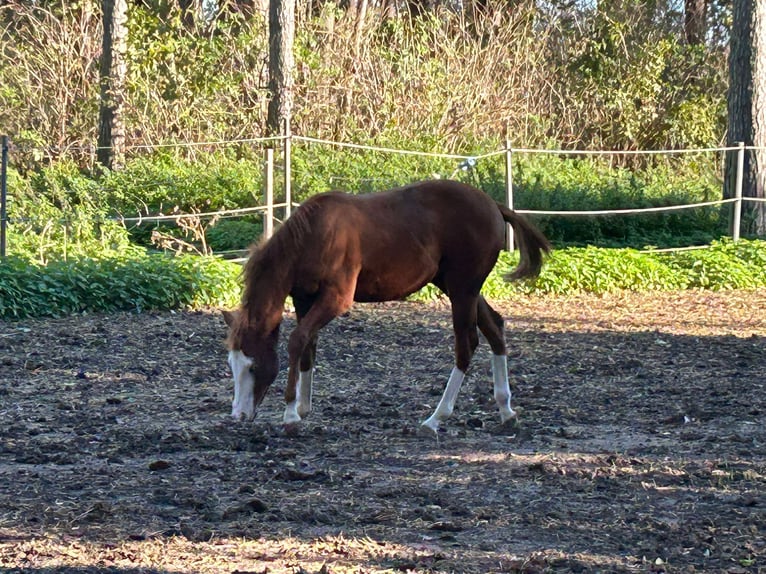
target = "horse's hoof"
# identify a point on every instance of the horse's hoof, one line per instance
(292, 429)
(427, 431)
(509, 427)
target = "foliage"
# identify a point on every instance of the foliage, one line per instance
(233, 234)
(727, 265)
(195, 83)
(144, 282)
(633, 84)
(550, 182)
(58, 213)
(149, 282)
(616, 77)
(162, 182)
(319, 168)
(49, 61)
(724, 265)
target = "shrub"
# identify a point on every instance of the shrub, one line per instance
(111, 284)
(233, 234)
(57, 213)
(725, 265)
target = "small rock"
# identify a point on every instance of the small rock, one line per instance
(159, 465)
(445, 526)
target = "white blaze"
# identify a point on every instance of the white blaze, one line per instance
(242, 406)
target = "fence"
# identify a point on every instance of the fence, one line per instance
(466, 162)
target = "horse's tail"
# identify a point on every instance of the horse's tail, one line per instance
(532, 245)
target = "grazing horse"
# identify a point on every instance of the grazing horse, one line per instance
(338, 248)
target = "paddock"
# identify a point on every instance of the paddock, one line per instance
(640, 444)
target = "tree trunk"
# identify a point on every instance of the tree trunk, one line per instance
(747, 108)
(695, 21)
(189, 12)
(113, 70)
(758, 190)
(281, 63)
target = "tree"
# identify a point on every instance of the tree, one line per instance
(695, 21)
(113, 70)
(281, 63)
(746, 101)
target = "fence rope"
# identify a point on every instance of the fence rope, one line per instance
(381, 149)
(467, 162)
(621, 152)
(627, 211)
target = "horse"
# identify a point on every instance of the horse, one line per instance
(338, 248)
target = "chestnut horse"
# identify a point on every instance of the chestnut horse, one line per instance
(339, 248)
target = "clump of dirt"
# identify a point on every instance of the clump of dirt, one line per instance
(640, 444)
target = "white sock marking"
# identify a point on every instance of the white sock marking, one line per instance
(291, 413)
(305, 384)
(301, 406)
(502, 389)
(447, 403)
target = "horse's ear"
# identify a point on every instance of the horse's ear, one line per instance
(230, 317)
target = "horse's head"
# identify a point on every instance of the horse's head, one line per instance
(253, 360)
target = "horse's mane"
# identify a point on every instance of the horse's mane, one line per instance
(275, 256)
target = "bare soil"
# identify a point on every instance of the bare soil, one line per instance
(640, 445)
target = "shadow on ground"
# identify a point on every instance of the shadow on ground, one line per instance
(636, 449)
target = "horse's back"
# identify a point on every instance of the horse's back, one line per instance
(401, 239)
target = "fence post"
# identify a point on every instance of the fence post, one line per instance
(3, 195)
(509, 191)
(287, 165)
(268, 224)
(737, 217)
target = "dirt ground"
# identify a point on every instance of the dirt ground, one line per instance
(640, 445)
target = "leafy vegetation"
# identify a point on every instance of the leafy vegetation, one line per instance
(619, 77)
(724, 265)
(147, 282)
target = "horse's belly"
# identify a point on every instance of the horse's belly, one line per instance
(390, 285)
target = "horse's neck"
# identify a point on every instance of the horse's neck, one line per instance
(267, 299)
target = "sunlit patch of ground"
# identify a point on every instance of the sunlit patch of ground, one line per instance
(640, 445)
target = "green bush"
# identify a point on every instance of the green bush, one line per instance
(161, 282)
(112, 284)
(61, 212)
(725, 265)
(233, 234)
(557, 184)
(58, 212)
(162, 182)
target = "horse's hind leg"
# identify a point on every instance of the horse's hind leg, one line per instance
(466, 341)
(492, 326)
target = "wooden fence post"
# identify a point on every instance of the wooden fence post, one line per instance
(3, 195)
(737, 216)
(287, 168)
(509, 192)
(268, 223)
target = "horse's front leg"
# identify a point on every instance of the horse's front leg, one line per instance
(306, 379)
(300, 375)
(302, 350)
